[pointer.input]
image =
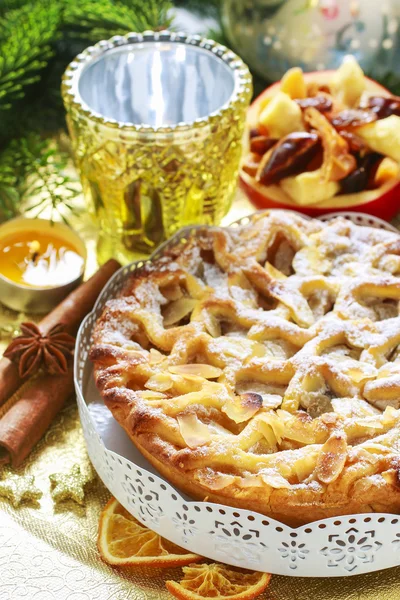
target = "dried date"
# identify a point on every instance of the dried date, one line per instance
(321, 103)
(356, 144)
(358, 180)
(254, 132)
(259, 130)
(353, 117)
(289, 157)
(261, 144)
(383, 106)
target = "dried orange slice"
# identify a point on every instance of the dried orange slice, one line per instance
(218, 581)
(123, 541)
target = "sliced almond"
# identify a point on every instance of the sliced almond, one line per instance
(152, 395)
(358, 375)
(213, 480)
(194, 432)
(212, 324)
(238, 348)
(155, 356)
(172, 291)
(273, 422)
(278, 349)
(273, 272)
(250, 480)
(177, 310)
(274, 479)
(159, 382)
(298, 427)
(258, 350)
(305, 465)
(244, 407)
(268, 434)
(195, 286)
(332, 458)
(390, 415)
(198, 370)
(271, 400)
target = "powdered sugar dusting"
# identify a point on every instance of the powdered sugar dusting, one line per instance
(299, 322)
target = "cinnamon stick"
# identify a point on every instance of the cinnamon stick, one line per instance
(26, 422)
(70, 312)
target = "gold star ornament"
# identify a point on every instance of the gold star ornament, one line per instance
(19, 488)
(70, 485)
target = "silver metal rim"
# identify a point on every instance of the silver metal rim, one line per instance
(70, 81)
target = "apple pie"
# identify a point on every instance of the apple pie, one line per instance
(258, 366)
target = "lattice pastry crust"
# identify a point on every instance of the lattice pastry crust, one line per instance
(259, 366)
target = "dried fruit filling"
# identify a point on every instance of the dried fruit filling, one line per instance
(314, 142)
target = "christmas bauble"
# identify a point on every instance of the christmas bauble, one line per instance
(274, 35)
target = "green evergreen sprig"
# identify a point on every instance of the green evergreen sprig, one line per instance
(26, 37)
(42, 175)
(9, 197)
(32, 167)
(94, 20)
(38, 38)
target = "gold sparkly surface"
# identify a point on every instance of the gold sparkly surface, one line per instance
(48, 550)
(19, 488)
(69, 485)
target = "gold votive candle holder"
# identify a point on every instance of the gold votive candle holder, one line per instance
(156, 122)
(41, 263)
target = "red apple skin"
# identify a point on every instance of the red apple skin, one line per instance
(385, 206)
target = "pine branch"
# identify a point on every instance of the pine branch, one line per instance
(7, 5)
(9, 197)
(35, 169)
(39, 107)
(100, 19)
(42, 177)
(38, 38)
(25, 37)
(152, 14)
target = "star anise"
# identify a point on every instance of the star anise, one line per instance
(33, 350)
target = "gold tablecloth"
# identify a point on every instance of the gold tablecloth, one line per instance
(48, 551)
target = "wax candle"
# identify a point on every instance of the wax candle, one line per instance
(40, 262)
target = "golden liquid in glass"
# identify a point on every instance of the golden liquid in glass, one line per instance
(141, 191)
(39, 260)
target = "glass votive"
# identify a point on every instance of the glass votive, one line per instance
(41, 262)
(156, 122)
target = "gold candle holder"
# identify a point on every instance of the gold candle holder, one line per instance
(41, 262)
(156, 122)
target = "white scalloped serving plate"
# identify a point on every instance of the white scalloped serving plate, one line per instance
(333, 547)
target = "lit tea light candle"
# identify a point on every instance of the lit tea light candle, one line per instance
(40, 263)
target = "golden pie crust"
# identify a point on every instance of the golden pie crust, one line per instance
(259, 366)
